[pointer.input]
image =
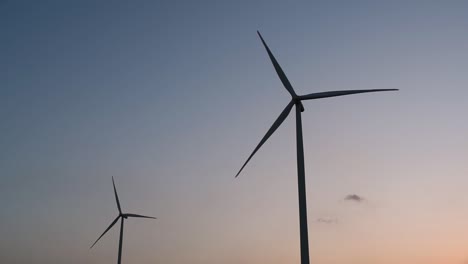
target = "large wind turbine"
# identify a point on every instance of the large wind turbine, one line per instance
(297, 101)
(121, 216)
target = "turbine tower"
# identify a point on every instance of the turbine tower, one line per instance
(296, 100)
(122, 217)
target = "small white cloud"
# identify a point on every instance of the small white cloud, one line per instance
(326, 220)
(354, 198)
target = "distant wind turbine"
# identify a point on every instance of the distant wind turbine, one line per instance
(297, 101)
(122, 217)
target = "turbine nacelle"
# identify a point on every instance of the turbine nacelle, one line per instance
(297, 101)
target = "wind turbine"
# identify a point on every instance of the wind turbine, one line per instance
(121, 216)
(297, 101)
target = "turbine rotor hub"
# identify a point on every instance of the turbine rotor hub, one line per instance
(298, 102)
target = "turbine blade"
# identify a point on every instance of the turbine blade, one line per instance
(111, 225)
(272, 129)
(140, 216)
(340, 93)
(116, 196)
(278, 69)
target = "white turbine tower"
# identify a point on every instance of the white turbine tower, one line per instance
(122, 217)
(296, 100)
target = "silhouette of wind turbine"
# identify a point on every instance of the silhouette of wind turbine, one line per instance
(122, 217)
(297, 101)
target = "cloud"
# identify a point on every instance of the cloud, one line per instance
(326, 220)
(354, 198)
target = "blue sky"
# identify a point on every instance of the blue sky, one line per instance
(170, 97)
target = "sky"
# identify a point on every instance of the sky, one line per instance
(170, 98)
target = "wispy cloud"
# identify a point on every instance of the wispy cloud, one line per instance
(326, 220)
(354, 198)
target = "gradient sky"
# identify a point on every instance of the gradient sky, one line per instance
(170, 97)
